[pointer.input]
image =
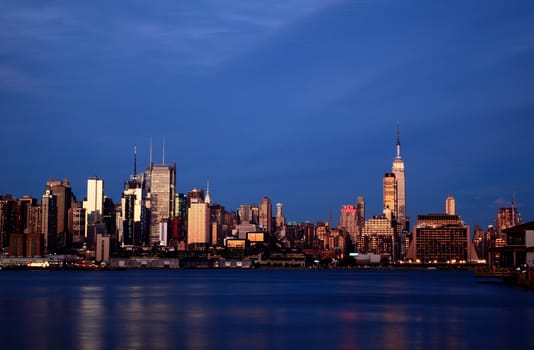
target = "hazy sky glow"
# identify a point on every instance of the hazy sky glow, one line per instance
(294, 99)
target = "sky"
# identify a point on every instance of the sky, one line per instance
(297, 100)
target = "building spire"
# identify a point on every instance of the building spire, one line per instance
(207, 198)
(135, 163)
(150, 152)
(398, 142)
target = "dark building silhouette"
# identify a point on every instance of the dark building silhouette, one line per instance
(49, 221)
(9, 220)
(64, 200)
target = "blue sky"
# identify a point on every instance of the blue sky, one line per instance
(294, 99)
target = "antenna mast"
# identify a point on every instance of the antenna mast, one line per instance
(135, 163)
(150, 152)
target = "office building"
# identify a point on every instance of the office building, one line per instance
(450, 205)
(265, 214)
(25, 205)
(77, 224)
(102, 248)
(16, 244)
(441, 238)
(94, 205)
(196, 195)
(34, 244)
(390, 194)
(198, 225)
(348, 221)
(360, 212)
(134, 213)
(218, 228)
(162, 193)
(8, 220)
(64, 199)
(377, 237)
(248, 214)
(506, 218)
(49, 221)
(280, 220)
(35, 221)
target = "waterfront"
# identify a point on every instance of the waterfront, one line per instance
(261, 309)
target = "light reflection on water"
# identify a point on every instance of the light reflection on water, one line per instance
(261, 310)
(90, 317)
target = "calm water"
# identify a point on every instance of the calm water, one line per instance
(261, 309)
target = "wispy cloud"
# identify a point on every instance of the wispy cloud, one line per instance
(36, 36)
(174, 33)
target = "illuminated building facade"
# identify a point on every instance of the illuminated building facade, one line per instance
(441, 238)
(248, 214)
(507, 217)
(400, 179)
(162, 194)
(348, 221)
(198, 225)
(390, 195)
(376, 236)
(94, 205)
(134, 213)
(280, 220)
(450, 205)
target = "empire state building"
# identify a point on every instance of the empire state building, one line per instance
(398, 170)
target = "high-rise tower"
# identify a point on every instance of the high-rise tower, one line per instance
(266, 214)
(94, 205)
(280, 219)
(134, 214)
(61, 189)
(450, 205)
(49, 221)
(360, 212)
(162, 193)
(390, 195)
(398, 170)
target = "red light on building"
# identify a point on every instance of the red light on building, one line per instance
(348, 209)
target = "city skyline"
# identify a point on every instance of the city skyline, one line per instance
(297, 102)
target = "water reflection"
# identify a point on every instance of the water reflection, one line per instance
(91, 314)
(260, 310)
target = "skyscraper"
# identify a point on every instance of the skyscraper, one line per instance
(441, 238)
(198, 225)
(8, 219)
(162, 193)
(134, 214)
(348, 220)
(64, 199)
(78, 223)
(450, 205)
(390, 195)
(94, 205)
(266, 214)
(248, 214)
(360, 212)
(49, 221)
(280, 219)
(398, 170)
